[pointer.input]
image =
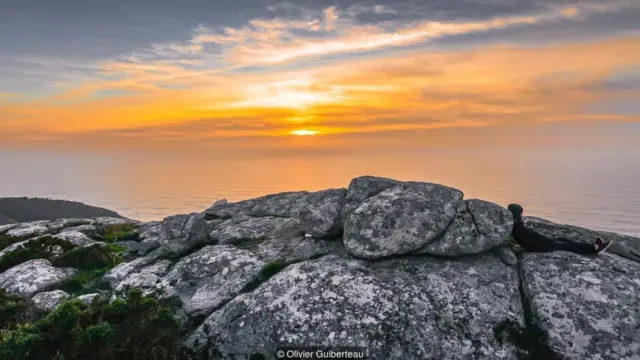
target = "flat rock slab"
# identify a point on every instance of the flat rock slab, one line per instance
(589, 305)
(397, 309)
(293, 249)
(318, 212)
(211, 276)
(250, 229)
(74, 237)
(33, 276)
(44, 227)
(400, 220)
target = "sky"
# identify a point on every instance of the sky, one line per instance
(254, 74)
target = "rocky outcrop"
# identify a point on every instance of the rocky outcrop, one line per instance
(407, 270)
(397, 309)
(211, 276)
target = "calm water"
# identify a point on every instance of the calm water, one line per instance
(598, 189)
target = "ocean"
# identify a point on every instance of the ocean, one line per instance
(595, 188)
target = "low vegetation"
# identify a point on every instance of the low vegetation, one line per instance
(63, 254)
(268, 271)
(46, 247)
(132, 327)
(119, 232)
(13, 311)
(7, 240)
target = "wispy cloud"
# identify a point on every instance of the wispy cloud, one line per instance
(302, 69)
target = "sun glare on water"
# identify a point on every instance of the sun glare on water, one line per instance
(304, 132)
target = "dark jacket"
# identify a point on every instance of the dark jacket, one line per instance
(528, 238)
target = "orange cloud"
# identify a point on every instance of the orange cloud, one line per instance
(212, 97)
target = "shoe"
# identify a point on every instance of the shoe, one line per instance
(601, 245)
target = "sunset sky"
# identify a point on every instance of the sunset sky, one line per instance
(178, 74)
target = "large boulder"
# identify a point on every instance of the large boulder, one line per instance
(318, 212)
(397, 309)
(48, 301)
(211, 276)
(588, 305)
(479, 226)
(181, 233)
(252, 229)
(400, 220)
(33, 276)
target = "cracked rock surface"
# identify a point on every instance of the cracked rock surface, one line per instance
(398, 309)
(590, 306)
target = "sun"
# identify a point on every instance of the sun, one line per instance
(304, 132)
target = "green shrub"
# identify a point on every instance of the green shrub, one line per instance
(6, 240)
(133, 327)
(46, 247)
(119, 232)
(84, 282)
(91, 257)
(92, 262)
(13, 310)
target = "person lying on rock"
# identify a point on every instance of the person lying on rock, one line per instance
(533, 241)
